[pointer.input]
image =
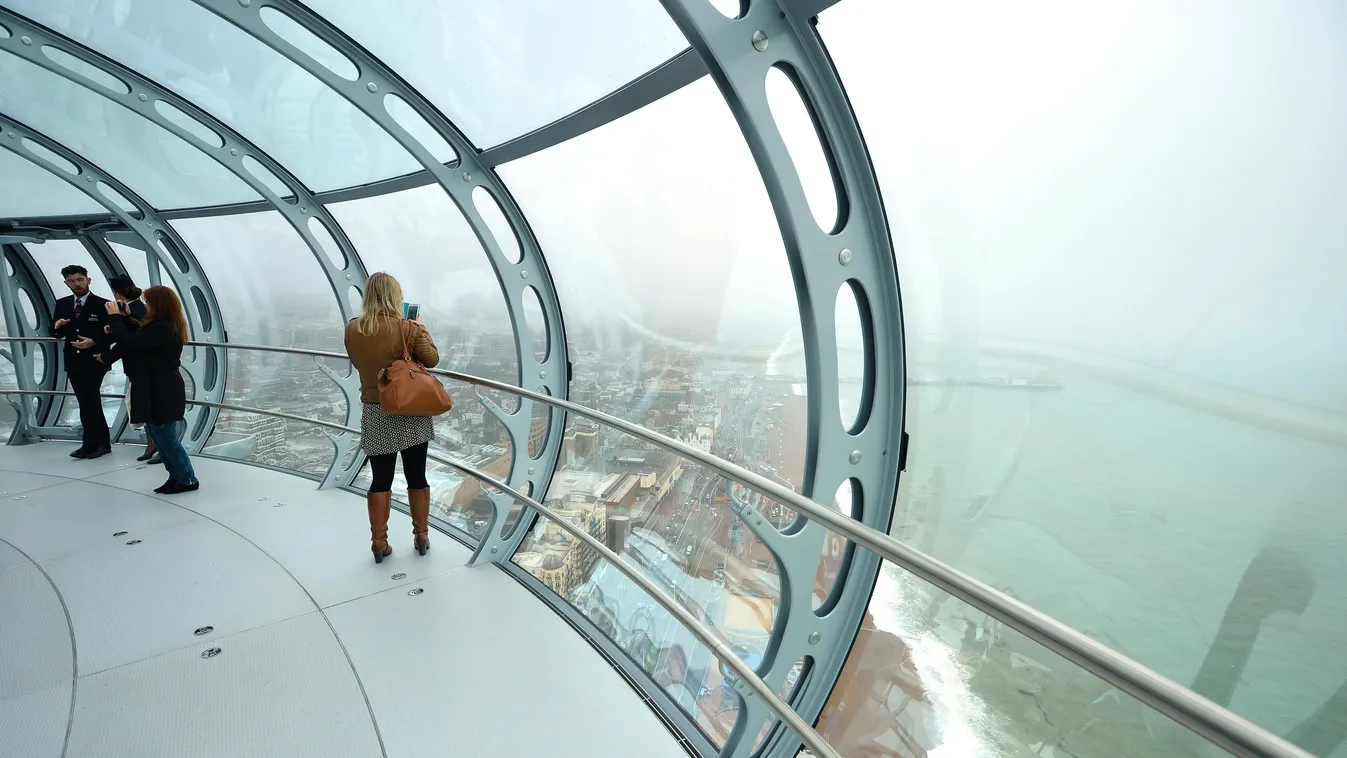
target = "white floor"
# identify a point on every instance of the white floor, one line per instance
(322, 652)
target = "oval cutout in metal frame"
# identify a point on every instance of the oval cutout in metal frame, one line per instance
(309, 43)
(814, 163)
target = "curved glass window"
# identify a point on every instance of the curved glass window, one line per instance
(272, 292)
(503, 68)
(421, 238)
(154, 163)
(29, 190)
(136, 263)
(1121, 250)
(277, 105)
(682, 315)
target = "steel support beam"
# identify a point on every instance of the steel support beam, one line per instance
(856, 253)
(368, 93)
(341, 266)
(204, 366)
(30, 411)
(53, 359)
(667, 78)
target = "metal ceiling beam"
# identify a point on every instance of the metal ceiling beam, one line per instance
(206, 369)
(29, 37)
(342, 267)
(669, 77)
(520, 280)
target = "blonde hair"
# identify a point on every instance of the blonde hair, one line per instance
(383, 298)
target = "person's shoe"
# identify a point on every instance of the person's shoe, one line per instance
(379, 504)
(156, 460)
(174, 488)
(80, 453)
(419, 502)
(145, 457)
(98, 453)
(161, 488)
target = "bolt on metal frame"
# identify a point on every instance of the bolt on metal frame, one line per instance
(142, 98)
(368, 93)
(198, 298)
(857, 253)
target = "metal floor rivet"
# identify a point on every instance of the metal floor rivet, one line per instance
(119, 534)
(204, 630)
(211, 652)
(415, 592)
(133, 542)
(399, 576)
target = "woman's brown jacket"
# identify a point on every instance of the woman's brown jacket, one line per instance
(373, 353)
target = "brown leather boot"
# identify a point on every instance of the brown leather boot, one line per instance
(419, 501)
(379, 503)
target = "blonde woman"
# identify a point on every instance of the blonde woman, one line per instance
(373, 341)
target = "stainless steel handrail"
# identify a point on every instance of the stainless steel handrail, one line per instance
(1234, 734)
(723, 652)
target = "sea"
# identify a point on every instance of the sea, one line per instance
(1142, 515)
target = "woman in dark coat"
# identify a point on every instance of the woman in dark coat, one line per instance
(125, 291)
(158, 396)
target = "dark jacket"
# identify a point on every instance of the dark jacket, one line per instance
(93, 316)
(158, 395)
(137, 310)
(371, 354)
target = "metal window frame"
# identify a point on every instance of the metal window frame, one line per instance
(208, 371)
(368, 93)
(739, 54)
(26, 40)
(30, 415)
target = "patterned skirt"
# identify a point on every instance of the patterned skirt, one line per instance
(381, 434)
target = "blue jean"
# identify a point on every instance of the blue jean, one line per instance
(176, 460)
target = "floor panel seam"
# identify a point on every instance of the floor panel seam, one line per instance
(74, 649)
(425, 578)
(359, 683)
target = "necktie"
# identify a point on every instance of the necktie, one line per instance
(78, 305)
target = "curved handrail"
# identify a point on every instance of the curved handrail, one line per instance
(758, 687)
(1234, 734)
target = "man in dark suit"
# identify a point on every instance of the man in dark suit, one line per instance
(79, 321)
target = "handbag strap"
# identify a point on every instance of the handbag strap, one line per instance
(406, 352)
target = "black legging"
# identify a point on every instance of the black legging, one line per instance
(413, 468)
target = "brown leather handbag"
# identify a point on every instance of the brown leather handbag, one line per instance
(406, 388)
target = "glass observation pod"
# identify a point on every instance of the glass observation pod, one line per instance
(865, 378)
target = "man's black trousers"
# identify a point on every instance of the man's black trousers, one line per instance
(87, 385)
